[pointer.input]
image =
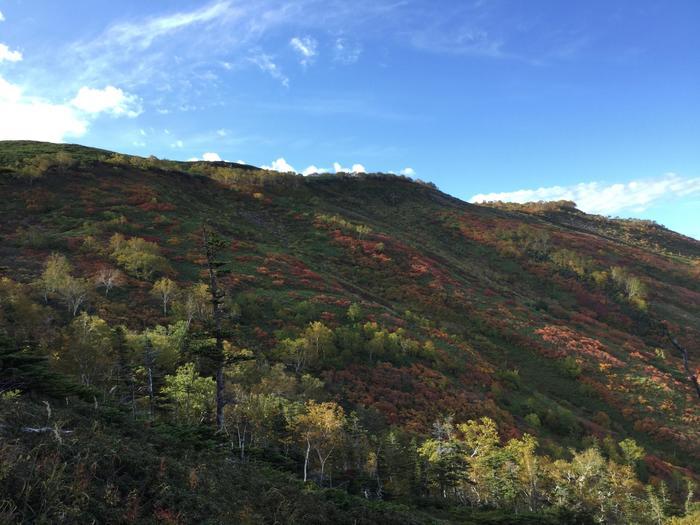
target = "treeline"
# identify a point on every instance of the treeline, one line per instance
(32, 167)
(533, 207)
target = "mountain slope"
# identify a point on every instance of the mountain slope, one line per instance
(549, 321)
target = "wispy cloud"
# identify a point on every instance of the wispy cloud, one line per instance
(345, 51)
(150, 50)
(606, 199)
(142, 35)
(494, 30)
(462, 40)
(266, 64)
(2, 17)
(306, 47)
(472, 28)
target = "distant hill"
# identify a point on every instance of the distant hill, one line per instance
(401, 311)
(636, 232)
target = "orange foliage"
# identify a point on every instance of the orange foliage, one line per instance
(566, 341)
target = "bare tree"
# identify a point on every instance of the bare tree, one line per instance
(108, 278)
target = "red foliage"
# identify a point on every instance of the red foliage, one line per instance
(566, 341)
(411, 396)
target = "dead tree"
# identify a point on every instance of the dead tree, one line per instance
(684, 353)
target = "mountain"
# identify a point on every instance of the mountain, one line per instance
(417, 358)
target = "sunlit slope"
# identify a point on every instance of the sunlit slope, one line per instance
(514, 313)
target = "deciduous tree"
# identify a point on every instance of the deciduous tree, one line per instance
(164, 289)
(108, 278)
(56, 271)
(319, 427)
(190, 393)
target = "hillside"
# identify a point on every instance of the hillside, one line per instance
(368, 325)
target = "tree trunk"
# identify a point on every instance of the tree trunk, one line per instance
(220, 396)
(241, 439)
(323, 467)
(149, 358)
(216, 297)
(306, 458)
(150, 392)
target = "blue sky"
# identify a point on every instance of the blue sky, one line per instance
(595, 101)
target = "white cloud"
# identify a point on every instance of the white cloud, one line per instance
(207, 157)
(33, 118)
(356, 168)
(6, 54)
(177, 144)
(596, 197)
(280, 165)
(266, 64)
(211, 157)
(9, 92)
(109, 100)
(27, 117)
(2, 17)
(409, 172)
(313, 169)
(221, 132)
(306, 48)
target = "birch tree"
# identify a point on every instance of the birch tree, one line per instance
(320, 429)
(164, 289)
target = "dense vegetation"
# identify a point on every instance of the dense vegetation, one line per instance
(214, 343)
